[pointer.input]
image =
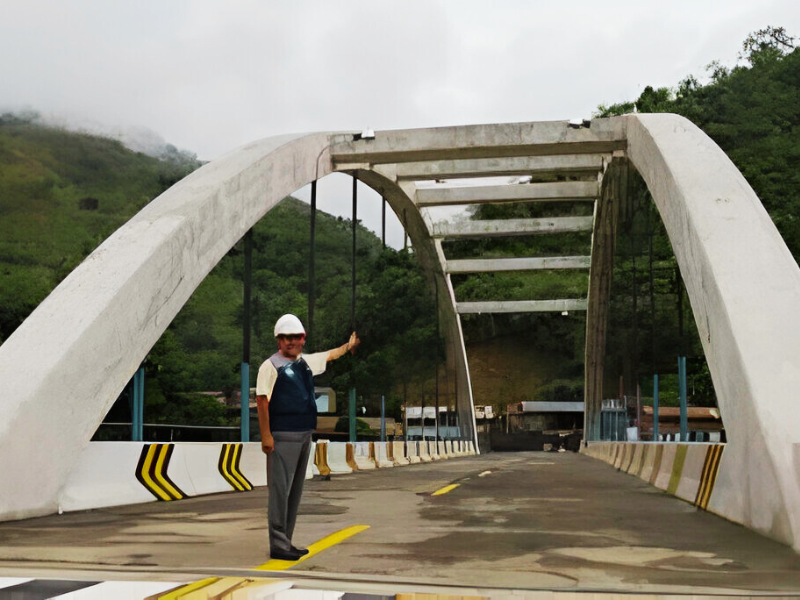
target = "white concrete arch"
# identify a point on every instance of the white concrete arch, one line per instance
(744, 288)
(62, 369)
(67, 363)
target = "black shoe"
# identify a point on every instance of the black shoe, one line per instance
(292, 554)
(301, 551)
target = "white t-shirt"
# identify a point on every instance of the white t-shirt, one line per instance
(268, 374)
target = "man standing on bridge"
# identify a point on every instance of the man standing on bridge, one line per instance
(287, 416)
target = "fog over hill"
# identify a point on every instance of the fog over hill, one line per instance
(136, 138)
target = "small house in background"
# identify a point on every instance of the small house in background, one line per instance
(545, 416)
(701, 419)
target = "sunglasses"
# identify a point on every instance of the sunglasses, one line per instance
(292, 337)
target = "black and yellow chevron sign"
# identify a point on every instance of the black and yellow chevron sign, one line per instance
(230, 456)
(152, 472)
(709, 476)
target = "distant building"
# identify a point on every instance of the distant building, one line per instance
(545, 416)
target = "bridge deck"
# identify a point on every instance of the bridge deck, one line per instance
(537, 520)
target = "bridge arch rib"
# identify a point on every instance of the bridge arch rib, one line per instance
(744, 288)
(65, 365)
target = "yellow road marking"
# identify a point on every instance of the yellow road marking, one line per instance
(146, 474)
(274, 564)
(188, 588)
(315, 548)
(444, 490)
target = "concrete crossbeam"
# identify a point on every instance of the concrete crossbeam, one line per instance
(480, 141)
(569, 164)
(511, 227)
(493, 265)
(552, 191)
(520, 306)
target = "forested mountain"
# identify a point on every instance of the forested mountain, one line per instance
(62, 193)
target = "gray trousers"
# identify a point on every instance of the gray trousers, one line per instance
(286, 473)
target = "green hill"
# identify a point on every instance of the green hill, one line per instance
(61, 194)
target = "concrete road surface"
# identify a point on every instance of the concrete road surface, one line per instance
(526, 521)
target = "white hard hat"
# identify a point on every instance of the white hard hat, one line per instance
(288, 325)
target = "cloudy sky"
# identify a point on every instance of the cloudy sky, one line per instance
(209, 76)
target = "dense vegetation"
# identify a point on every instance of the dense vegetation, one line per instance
(753, 112)
(61, 194)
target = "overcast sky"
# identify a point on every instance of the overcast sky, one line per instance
(209, 76)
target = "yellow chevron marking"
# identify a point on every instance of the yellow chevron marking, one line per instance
(228, 476)
(160, 474)
(237, 451)
(315, 548)
(445, 489)
(716, 456)
(146, 473)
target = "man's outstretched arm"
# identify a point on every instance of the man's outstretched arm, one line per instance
(352, 343)
(267, 443)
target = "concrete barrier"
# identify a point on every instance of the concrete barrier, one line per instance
(337, 458)
(471, 449)
(619, 455)
(455, 445)
(433, 450)
(635, 458)
(442, 450)
(448, 446)
(363, 457)
(685, 470)
(104, 476)
(649, 461)
(423, 452)
(398, 453)
(382, 455)
(350, 456)
(321, 458)
(311, 461)
(412, 453)
(699, 473)
(119, 473)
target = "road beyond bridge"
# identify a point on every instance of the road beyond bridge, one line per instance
(522, 521)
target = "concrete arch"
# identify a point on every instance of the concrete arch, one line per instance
(89, 336)
(64, 366)
(744, 289)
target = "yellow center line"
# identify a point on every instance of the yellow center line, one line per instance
(445, 489)
(315, 548)
(274, 564)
